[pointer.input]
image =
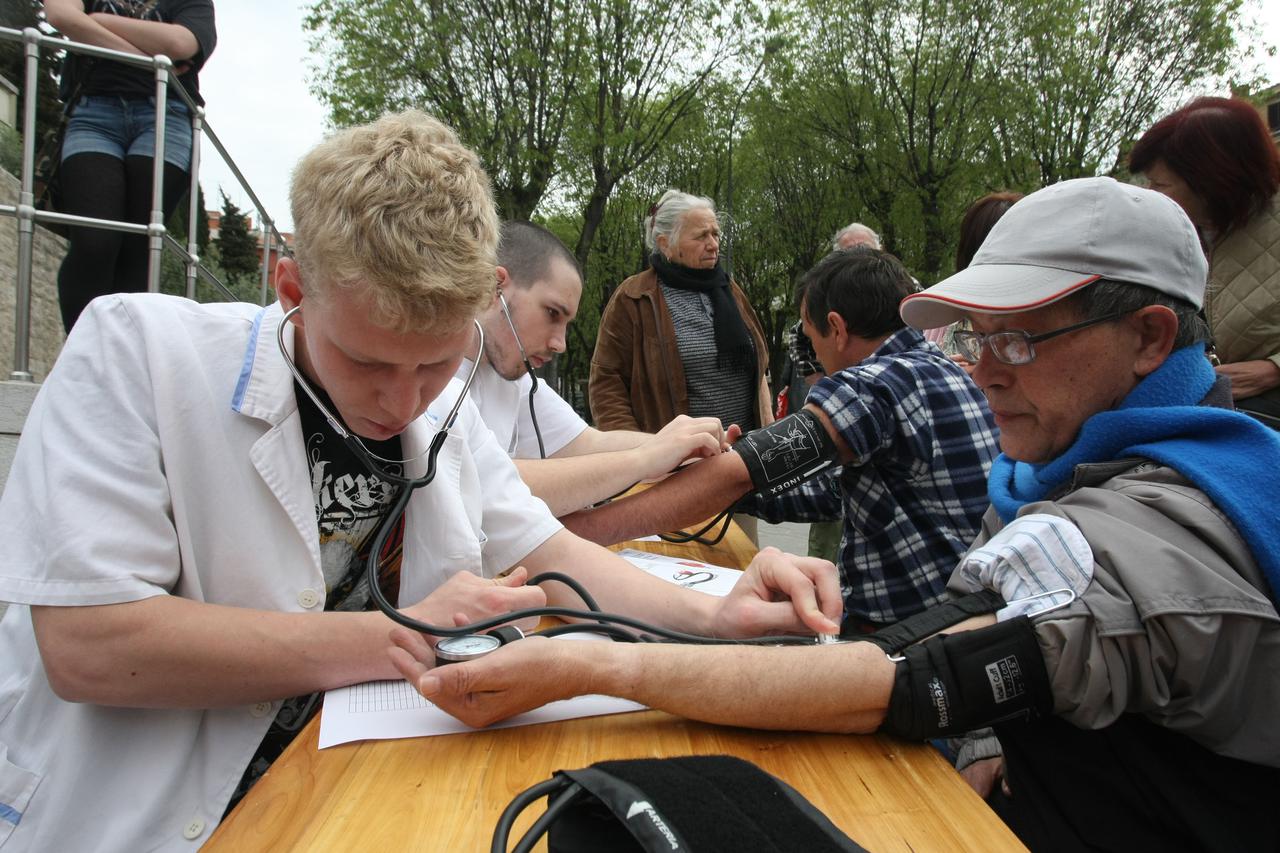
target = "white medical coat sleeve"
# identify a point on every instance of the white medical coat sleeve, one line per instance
(514, 522)
(85, 515)
(557, 420)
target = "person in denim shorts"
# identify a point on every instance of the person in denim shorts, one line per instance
(110, 137)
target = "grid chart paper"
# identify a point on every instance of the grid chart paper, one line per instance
(383, 696)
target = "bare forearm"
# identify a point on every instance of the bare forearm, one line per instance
(618, 586)
(693, 495)
(568, 484)
(602, 441)
(838, 688)
(152, 37)
(169, 652)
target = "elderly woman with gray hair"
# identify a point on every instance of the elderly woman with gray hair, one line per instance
(680, 337)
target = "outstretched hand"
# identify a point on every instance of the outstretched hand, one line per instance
(681, 440)
(518, 677)
(782, 594)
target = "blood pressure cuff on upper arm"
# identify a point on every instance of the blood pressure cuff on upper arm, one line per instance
(786, 453)
(954, 683)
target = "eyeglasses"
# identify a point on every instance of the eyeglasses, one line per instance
(1015, 346)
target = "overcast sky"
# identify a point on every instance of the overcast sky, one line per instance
(256, 101)
(255, 87)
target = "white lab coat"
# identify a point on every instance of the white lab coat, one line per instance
(164, 455)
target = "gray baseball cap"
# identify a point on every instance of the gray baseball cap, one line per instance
(1065, 237)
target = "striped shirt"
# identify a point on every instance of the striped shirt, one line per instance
(912, 499)
(714, 391)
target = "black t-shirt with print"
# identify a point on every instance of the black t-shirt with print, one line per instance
(351, 504)
(105, 77)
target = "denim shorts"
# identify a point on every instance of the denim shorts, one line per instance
(126, 127)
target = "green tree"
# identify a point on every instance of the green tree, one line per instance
(648, 61)
(896, 113)
(177, 224)
(792, 200)
(899, 86)
(1082, 77)
(503, 73)
(237, 249)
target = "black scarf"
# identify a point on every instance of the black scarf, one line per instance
(733, 342)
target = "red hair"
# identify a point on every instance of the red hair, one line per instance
(1224, 152)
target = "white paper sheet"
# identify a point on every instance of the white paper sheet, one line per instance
(380, 710)
(704, 577)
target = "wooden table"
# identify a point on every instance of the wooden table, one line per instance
(445, 793)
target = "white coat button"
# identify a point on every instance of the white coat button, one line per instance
(308, 598)
(193, 830)
(261, 709)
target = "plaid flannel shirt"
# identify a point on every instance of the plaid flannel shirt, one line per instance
(913, 497)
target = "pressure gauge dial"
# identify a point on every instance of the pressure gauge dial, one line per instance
(468, 647)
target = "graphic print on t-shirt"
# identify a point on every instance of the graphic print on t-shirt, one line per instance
(350, 504)
(350, 501)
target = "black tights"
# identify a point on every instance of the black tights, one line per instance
(100, 261)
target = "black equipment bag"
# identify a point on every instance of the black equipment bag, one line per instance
(700, 804)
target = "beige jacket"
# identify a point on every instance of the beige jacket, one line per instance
(1242, 302)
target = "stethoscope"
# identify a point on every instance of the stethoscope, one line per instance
(533, 377)
(469, 641)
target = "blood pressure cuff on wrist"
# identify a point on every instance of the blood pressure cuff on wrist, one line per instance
(954, 683)
(701, 803)
(786, 453)
(898, 636)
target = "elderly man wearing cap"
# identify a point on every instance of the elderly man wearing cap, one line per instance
(1115, 620)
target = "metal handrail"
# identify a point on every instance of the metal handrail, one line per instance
(159, 238)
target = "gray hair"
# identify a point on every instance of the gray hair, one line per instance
(1106, 297)
(867, 236)
(665, 217)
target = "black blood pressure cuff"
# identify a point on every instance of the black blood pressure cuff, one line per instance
(898, 636)
(704, 803)
(954, 683)
(786, 453)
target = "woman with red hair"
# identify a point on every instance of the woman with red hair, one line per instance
(1216, 159)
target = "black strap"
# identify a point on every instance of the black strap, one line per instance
(894, 638)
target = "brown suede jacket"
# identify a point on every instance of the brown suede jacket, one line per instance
(637, 378)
